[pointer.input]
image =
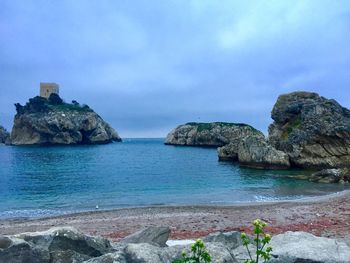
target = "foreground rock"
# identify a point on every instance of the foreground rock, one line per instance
(214, 134)
(292, 247)
(152, 235)
(312, 130)
(4, 135)
(257, 153)
(298, 247)
(51, 121)
(66, 244)
(56, 245)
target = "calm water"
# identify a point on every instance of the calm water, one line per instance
(42, 181)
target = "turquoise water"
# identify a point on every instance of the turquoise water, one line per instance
(45, 181)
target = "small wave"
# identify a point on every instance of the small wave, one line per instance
(30, 213)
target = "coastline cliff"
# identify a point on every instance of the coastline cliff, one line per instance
(52, 121)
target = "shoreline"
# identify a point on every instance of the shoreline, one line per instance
(308, 199)
(327, 215)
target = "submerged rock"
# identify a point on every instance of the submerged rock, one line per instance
(51, 121)
(4, 135)
(213, 134)
(312, 130)
(341, 175)
(257, 153)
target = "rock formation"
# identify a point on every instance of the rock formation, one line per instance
(257, 153)
(214, 134)
(66, 244)
(51, 121)
(312, 130)
(4, 135)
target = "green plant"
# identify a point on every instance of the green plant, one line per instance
(199, 254)
(261, 241)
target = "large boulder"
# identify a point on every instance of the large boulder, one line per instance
(312, 130)
(61, 244)
(257, 153)
(213, 134)
(231, 240)
(300, 247)
(152, 235)
(4, 135)
(41, 121)
(293, 247)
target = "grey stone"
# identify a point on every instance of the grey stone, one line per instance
(21, 251)
(229, 152)
(312, 130)
(293, 247)
(67, 256)
(340, 175)
(141, 253)
(215, 134)
(115, 257)
(231, 240)
(257, 153)
(152, 235)
(67, 238)
(5, 242)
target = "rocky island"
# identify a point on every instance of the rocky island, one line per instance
(52, 121)
(309, 132)
(213, 134)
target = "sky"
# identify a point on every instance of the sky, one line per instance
(148, 66)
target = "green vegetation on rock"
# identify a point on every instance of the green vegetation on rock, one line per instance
(201, 126)
(53, 103)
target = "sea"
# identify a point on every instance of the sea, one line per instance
(44, 181)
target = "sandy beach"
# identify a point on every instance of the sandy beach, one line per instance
(323, 216)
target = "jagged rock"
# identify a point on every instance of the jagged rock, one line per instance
(231, 240)
(257, 153)
(229, 152)
(151, 235)
(214, 134)
(41, 121)
(4, 135)
(312, 130)
(63, 244)
(293, 247)
(19, 251)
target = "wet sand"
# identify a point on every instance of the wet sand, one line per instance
(323, 216)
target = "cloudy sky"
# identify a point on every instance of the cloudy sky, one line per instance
(147, 66)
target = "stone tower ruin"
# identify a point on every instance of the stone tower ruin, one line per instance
(46, 89)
